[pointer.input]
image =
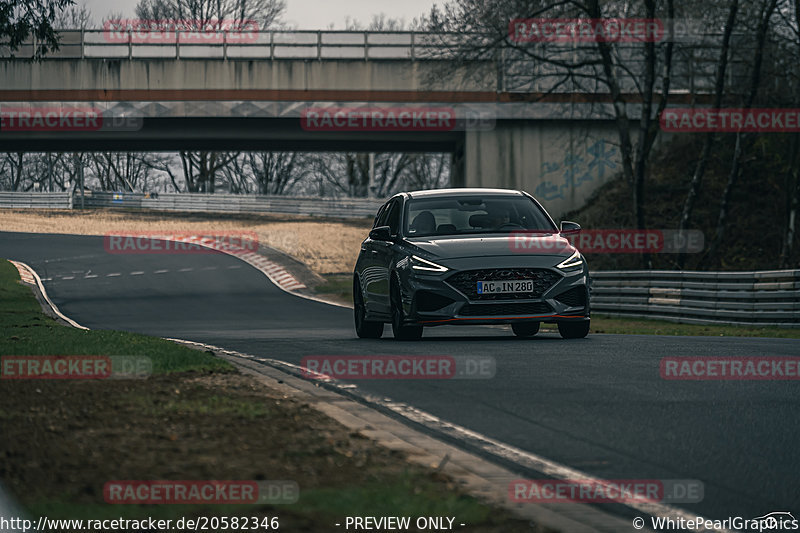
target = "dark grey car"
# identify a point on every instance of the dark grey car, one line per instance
(469, 256)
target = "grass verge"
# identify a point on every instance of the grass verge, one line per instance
(644, 326)
(337, 287)
(195, 418)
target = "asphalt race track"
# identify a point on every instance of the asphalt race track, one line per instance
(596, 404)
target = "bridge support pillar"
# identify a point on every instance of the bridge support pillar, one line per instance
(560, 162)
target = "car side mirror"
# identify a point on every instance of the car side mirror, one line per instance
(381, 233)
(570, 228)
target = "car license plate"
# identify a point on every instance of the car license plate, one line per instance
(505, 287)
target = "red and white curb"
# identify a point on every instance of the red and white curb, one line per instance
(276, 273)
(24, 274)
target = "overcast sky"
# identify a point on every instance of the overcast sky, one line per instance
(303, 14)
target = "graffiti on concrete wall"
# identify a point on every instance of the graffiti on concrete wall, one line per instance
(573, 170)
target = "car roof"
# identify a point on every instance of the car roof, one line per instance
(462, 191)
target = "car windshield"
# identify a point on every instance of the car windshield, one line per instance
(459, 215)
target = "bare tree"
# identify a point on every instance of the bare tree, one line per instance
(116, 171)
(266, 172)
(792, 180)
(200, 169)
(21, 19)
(766, 11)
(266, 13)
(708, 140)
(379, 22)
(74, 17)
(476, 34)
(12, 168)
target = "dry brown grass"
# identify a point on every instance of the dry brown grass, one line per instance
(326, 246)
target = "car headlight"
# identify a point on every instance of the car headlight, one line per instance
(573, 261)
(418, 263)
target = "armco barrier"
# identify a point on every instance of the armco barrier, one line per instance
(765, 298)
(36, 200)
(235, 203)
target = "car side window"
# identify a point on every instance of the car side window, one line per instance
(380, 217)
(393, 220)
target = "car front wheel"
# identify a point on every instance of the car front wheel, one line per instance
(573, 330)
(402, 331)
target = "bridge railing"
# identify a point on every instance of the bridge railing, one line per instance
(226, 44)
(693, 71)
(759, 298)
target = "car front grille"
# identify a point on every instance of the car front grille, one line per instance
(508, 309)
(467, 282)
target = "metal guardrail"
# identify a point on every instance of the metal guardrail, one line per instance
(235, 203)
(36, 200)
(759, 298)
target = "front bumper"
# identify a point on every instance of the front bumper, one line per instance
(434, 300)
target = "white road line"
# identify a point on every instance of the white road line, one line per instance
(68, 277)
(87, 276)
(114, 275)
(186, 269)
(137, 273)
(160, 271)
(235, 266)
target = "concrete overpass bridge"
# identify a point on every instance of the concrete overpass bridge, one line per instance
(505, 128)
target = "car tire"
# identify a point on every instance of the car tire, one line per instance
(401, 331)
(525, 329)
(365, 329)
(573, 330)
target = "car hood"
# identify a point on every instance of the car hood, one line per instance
(508, 244)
